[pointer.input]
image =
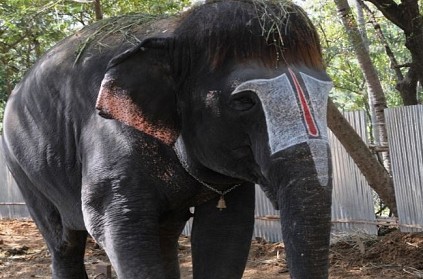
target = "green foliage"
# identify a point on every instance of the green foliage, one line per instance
(350, 91)
(155, 7)
(29, 28)
(25, 33)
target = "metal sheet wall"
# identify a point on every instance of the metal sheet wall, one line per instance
(405, 137)
(11, 200)
(352, 198)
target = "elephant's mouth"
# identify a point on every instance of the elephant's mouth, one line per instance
(243, 151)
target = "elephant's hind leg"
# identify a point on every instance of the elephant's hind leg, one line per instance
(68, 256)
(67, 247)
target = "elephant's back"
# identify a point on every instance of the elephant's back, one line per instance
(54, 103)
(57, 96)
(83, 57)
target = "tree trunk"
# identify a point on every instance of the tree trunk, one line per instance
(376, 94)
(375, 137)
(97, 9)
(406, 15)
(375, 174)
(406, 86)
(362, 23)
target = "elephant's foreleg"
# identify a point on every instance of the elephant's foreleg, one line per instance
(126, 224)
(132, 245)
(171, 227)
(221, 239)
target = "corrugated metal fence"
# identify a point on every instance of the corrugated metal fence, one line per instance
(405, 136)
(11, 201)
(352, 198)
(353, 206)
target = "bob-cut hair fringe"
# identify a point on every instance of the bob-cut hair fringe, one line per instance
(277, 33)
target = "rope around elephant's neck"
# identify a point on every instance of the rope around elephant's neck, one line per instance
(221, 204)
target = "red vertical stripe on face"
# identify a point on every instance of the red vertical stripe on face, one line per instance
(308, 116)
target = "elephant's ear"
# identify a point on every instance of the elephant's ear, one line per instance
(138, 89)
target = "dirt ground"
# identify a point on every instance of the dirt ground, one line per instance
(23, 254)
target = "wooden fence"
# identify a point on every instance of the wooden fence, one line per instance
(353, 203)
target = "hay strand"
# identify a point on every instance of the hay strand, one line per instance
(118, 25)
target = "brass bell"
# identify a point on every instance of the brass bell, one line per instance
(221, 204)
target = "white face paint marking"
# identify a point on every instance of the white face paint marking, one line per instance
(318, 94)
(212, 102)
(283, 117)
(179, 148)
(292, 116)
(319, 152)
(318, 148)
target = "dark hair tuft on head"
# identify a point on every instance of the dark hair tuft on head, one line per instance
(278, 33)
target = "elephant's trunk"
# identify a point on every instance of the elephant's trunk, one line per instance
(302, 175)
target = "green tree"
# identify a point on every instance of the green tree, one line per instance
(387, 46)
(407, 16)
(30, 28)
(350, 92)
(373, 172)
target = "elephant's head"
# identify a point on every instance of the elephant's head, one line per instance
(239, 88)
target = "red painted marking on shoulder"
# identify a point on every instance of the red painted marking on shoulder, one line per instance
(308, 116)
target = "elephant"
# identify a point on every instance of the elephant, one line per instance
(120, 129)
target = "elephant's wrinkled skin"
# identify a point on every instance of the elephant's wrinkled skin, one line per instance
(119, 140)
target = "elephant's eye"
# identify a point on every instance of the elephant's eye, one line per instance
(243, 101)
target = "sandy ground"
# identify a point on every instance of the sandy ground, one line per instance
(23, 254)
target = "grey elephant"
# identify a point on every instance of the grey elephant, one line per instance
(119, 129)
